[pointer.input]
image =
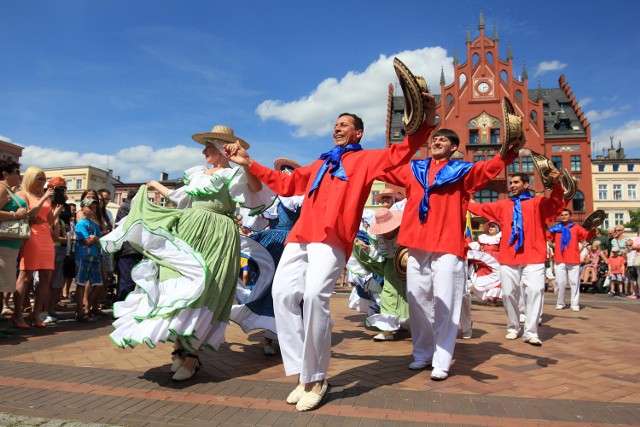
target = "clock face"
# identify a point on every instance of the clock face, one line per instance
(483, 87)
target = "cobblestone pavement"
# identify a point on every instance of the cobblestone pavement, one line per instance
(587, 372)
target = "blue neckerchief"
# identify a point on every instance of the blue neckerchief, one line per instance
(333, 158)
(453, 171)
(517, 228)
(566, 234)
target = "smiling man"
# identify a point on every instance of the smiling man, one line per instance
(523, 254)
(438, 192)
(336, 187)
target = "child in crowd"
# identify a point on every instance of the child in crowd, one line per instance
(616, 272)
(87, 257)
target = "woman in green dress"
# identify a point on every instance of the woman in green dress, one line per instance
(186, 284)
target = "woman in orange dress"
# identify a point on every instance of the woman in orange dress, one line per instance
(37, 253)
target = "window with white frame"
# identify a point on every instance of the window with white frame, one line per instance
(78, 183)
(576, 164)
(602, 191)
(606, 224)
(373, 202)
(617, 191)
(618, 218)
(632, 191)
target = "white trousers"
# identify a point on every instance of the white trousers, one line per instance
(568, 273)
(435, 285)
(465, 310)
(530, 280)
(308, 272)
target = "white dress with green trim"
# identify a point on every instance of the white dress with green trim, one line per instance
(186, 284)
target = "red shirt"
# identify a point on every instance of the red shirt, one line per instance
(443, 229)
(334, 210)
(616, 264)
(535, 212)
(571, 254)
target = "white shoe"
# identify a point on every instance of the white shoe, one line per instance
(419, 364)
(311, 400)
(183, 373)
(466, 335)
(177, 359)
(575, 308)
(511, 336)
(439, 375)
(383, 337)
(295, 395)
(559, 306)
(534, 341)
(523, 318)
(47, 320)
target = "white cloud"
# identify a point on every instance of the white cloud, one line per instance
(133, 164)
(364, 93)
(546, 66)
(597, 115)
(628, 134)
(4, 138)
(586, 101)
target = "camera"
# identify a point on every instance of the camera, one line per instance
(58, 195)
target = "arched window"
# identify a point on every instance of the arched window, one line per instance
(503, 76)
(534, 116)
(449, 100)
(519, 96)
(474, 60)
(484, 196)
(489, 57)
(462, 79)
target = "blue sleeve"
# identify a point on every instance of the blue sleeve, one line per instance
(82, 231)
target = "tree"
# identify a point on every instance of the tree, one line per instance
(634, 223)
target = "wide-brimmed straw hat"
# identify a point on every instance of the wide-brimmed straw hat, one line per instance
(397, 196)
(219, 136)
(385, 221)
(512, 127)
(412, 87)
(400, 261)
(488, 224)
(594, 220)
(281, 162)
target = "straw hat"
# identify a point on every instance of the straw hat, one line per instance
(385, 221)
(412, 88)
(219, 136)
(400, 261)
(594, 220)
(397, 196)
(281, 162)
(512, 127)
(488, 224)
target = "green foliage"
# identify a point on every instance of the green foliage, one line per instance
(634, 224)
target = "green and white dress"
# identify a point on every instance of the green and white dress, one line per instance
(186, 283)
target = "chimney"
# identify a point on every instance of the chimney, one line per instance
(164, 176)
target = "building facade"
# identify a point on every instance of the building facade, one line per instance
(616, 182)
(121, 190)
(10, 151)
(553, 122)
(81, 178)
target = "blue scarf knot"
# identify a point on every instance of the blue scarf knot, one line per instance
(333, 157)
(453, 171)
(566, 234)
(517, 226)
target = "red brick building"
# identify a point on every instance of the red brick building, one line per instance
(553, 122)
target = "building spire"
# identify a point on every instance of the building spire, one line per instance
(442, 82)
(455, 56)
(539, 91)
(495, 33)
(468, 35)
(525, 75)
(509, 52)
(481, 23)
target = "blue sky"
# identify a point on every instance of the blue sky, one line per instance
(124, 84)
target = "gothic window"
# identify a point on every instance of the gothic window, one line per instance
(449, 100)
(534, 116)
(519, 96)
(489, 57)
(578, 202)
(462, 79)
(474, 60)
(504, 76)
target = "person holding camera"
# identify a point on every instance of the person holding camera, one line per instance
(37, 253)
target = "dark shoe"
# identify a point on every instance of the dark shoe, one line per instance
(19, 324)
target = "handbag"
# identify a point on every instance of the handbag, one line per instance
(15, 229)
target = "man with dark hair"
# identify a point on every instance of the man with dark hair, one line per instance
(106, 196)
(127, 257)
(524, 252)
(433, 223)
(336, 187)
(567, 237)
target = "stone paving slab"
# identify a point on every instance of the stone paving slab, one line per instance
(586, 373)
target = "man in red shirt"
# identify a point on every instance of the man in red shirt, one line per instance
(433, 223)
(567, 238)
(523, 249)
(321, 241)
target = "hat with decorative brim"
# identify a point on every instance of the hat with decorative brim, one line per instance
(544, 167)
(283, 162)
(569, 183)
(594, 220)
(219, 136)
(389, 192)
(412, 88)
(512, 127)
(400, 261)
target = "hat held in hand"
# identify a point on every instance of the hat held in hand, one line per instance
(412, 88)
